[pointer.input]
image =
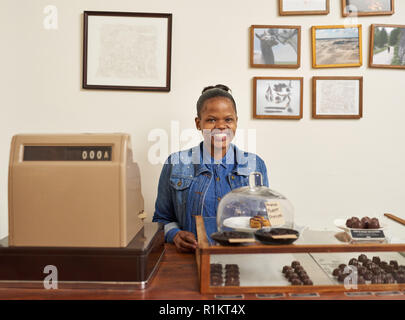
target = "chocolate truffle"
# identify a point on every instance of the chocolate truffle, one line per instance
(342, 277)
(361, 270)
(368, 275)
(287, 268)
(357, 225)
(296, 282)
(376, 270)
(376, 260)
(365, 221)
(307, 282)
(394, 264)
(294, 264)
(231, 267)
(349, 223)
(362, 258)
(337, 272)
(374, 224)
(342, 266)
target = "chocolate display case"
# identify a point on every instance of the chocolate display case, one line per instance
(258, 268)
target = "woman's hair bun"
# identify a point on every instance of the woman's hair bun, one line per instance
(218, 86)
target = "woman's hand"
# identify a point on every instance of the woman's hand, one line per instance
(185, 241)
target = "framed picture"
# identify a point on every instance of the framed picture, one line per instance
(127, 51)
(275, 46)
(336, 46)
(387, 46)
(337, 97)
(300, 7)
(367, 7)
(277, 97)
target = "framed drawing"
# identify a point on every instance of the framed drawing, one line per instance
(277, 97)
(387, 46)
(275, 46)
(367, 7)
(300, 7)
(127, 51)
(336, 46)
(337, 97)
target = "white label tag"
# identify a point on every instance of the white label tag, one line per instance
(274, 213)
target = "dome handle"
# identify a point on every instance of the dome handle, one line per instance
(255, 180)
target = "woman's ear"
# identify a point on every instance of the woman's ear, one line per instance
(197, 123)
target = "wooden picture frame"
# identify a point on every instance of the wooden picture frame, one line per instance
(387, 51)
(342, 99)
(275, 46)
(278, 98)
(127, 50)
(350, 8)
(286, 7)
(332, 44)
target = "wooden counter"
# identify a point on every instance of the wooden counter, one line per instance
(176, 279)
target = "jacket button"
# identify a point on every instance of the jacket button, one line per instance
(179, 183)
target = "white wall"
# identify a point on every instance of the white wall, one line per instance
(327, 168)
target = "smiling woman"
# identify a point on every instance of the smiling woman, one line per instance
(194, 181)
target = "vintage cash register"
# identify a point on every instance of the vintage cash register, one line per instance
(75, 203)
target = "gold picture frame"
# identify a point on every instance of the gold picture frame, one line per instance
(332, 46)
(337, 97)
(305, 8)
(390, 50)
(350, 8)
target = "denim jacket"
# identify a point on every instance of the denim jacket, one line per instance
(183, 184)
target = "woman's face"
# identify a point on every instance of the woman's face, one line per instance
(218, 122)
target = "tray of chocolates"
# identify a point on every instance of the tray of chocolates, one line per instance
(276, 235)
(356, 223)
(229, 238)
(370, 271)
(297, 275)
(228, 276)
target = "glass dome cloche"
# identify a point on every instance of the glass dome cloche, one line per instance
(254, 207)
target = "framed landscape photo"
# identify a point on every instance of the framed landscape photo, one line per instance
(277, 97)
(336, 46)
(275, 46)
(303, 7)
(127, 51)
(387, 46)
(367, 7)
(337, 97)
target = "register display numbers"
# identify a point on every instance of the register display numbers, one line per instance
(67, 153)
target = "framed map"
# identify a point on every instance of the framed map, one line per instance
(127, 51)
(337, 97)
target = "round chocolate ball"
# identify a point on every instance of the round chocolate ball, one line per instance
(374, 224)
(296, 282)
(376, 260)
(349, 223)
(336, 272)
(287, 268)
(362, 258)
(294, 264)
(342, 277)
(307, 282)
(342, 266)
(365, 222)
(368, 275)
(394, 264)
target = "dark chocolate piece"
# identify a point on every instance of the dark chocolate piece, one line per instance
(231, 267)
(368, 275)
(295, 264)
(342, 277)
(394, 264)
(287, 268)
(377, 260)
(296, 282)
(337, 272)
(307, 282)
(374, 224)
(342, 266)
(362, 258)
